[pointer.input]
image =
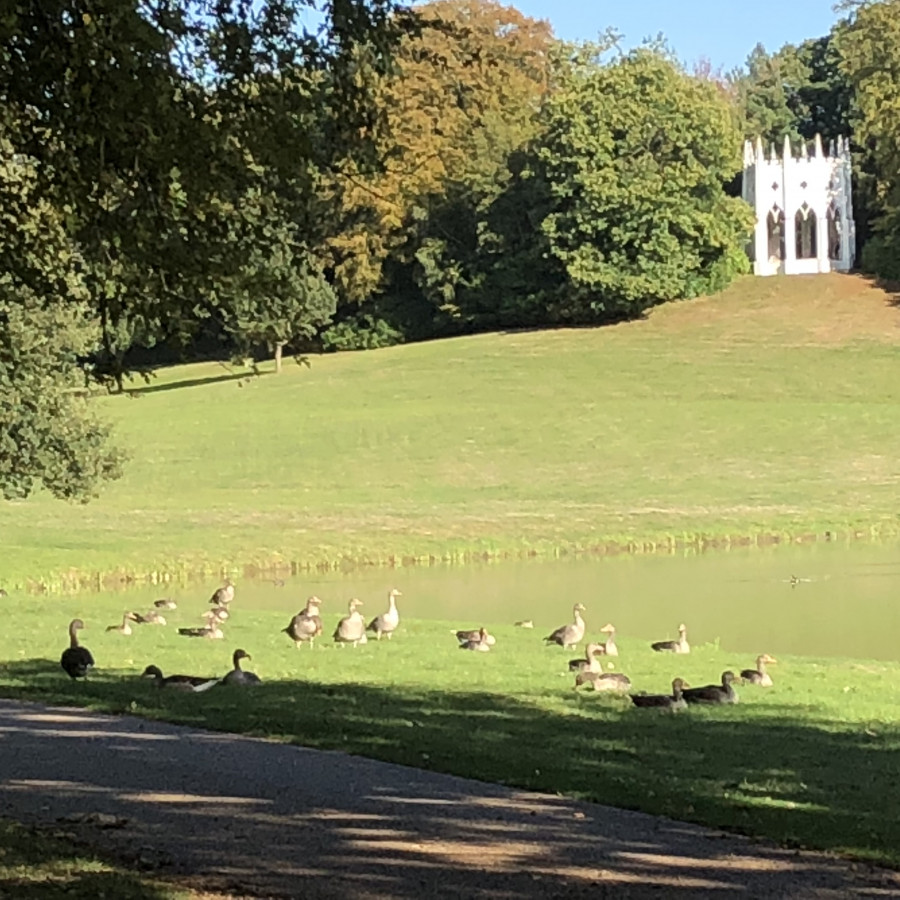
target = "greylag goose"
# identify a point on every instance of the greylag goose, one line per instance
(237, 675)
(476, 634)
(125, 627)
(306, 626)
(609, 682)
(679, 646)
(480, 643)
(165, 603)
(211, 630)
(194, 683)
(76, 660)
(663, 701)
(224, 595)
(387, 622)
(587, 663)
(524, 623)
(220, 613)
(713, 693)
(352, 628)
(608, 647)
(151, 617)
(572, 634)
(759, 675)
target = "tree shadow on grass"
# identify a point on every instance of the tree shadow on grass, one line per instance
(749, 769)
(243, 377)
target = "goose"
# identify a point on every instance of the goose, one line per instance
(352, 628)
(195, 683)
(480, 643)
(237, 675)
(224, 595)
(476, 634)
(125, 627)
(589, 662)
(306, 626)
(151, 617)
(679, 646)
(759, 675)
(713, 693)
(608, 647)
(165, 603)
(572, 634)
(524, 623)
(663, 701)
(609, 682)
(219, 612)
(76, 660)
(388, 621)
(211, 630)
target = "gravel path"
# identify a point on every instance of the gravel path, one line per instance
(260, 819)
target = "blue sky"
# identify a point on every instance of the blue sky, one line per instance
(724, 31)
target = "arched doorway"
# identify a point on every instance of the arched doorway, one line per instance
(775, 231)
(835, 232)
(805, 230)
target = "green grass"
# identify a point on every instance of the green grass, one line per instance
(46, 865)
(809, 762)
(772, 409)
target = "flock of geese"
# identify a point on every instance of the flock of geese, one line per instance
(306, 626)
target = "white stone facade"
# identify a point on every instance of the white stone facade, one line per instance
(804, 209)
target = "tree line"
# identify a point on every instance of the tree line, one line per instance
(181, 178)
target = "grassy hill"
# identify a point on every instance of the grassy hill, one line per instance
(772, 409)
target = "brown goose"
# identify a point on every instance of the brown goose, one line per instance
(237, 676)
(572, 634)
(589, 662)
(352, 628)
(386, 624)
(220, 612)
(224, 595)
(125, 627)
(679, 646)
(76, 660)
(480, 643)
(663, 701)
(165, 603)
(713, 693)
(476, 634)
(211, 630)
(608, 647)
(151, 617)
(195, 683)
(609, 682)
(306, 626)
(759, 675)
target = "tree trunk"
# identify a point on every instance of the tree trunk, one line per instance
(279, 346)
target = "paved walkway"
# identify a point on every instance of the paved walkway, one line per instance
(261, 819)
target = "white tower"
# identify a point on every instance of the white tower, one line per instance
(804, 212)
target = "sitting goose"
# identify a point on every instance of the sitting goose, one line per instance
(569, 635)
(194, 683)
(237, 675)
(589, 663)
(211, 630)
(609, 682)
(165, 603)
(76, 660)
(524, 623)
(388, 621)
(151, 617)
(679, 646)
(713, 693)
(481, 642)
(352, 628)
(224, 595)
(219, 612)
(125, 627)
(306, 626)
(759, 675)
(608, 647)
(476, 634)
(663, 701)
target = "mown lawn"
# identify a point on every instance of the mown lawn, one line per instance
(771, 409)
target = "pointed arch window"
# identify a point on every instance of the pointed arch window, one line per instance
(805, 229)
(775, 231)
(835, 232)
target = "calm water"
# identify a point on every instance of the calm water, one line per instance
(846, 603)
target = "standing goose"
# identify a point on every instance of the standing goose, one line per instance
(480, 643)
(679, 646)
(608, 647)
(237, 675)
(76, 660)
(195, 683)
(713, 693)
(387, 622)
(125, 627)
(569, 635)
(352, 628)
(608, 682)
(306, 626)
(759, 675)
(476, 634)
(224, 595)
(589, 662)
(663, 701)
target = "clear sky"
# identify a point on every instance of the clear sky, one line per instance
(723, 31)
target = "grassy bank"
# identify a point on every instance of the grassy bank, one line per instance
(807, 762)
(770, 410)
